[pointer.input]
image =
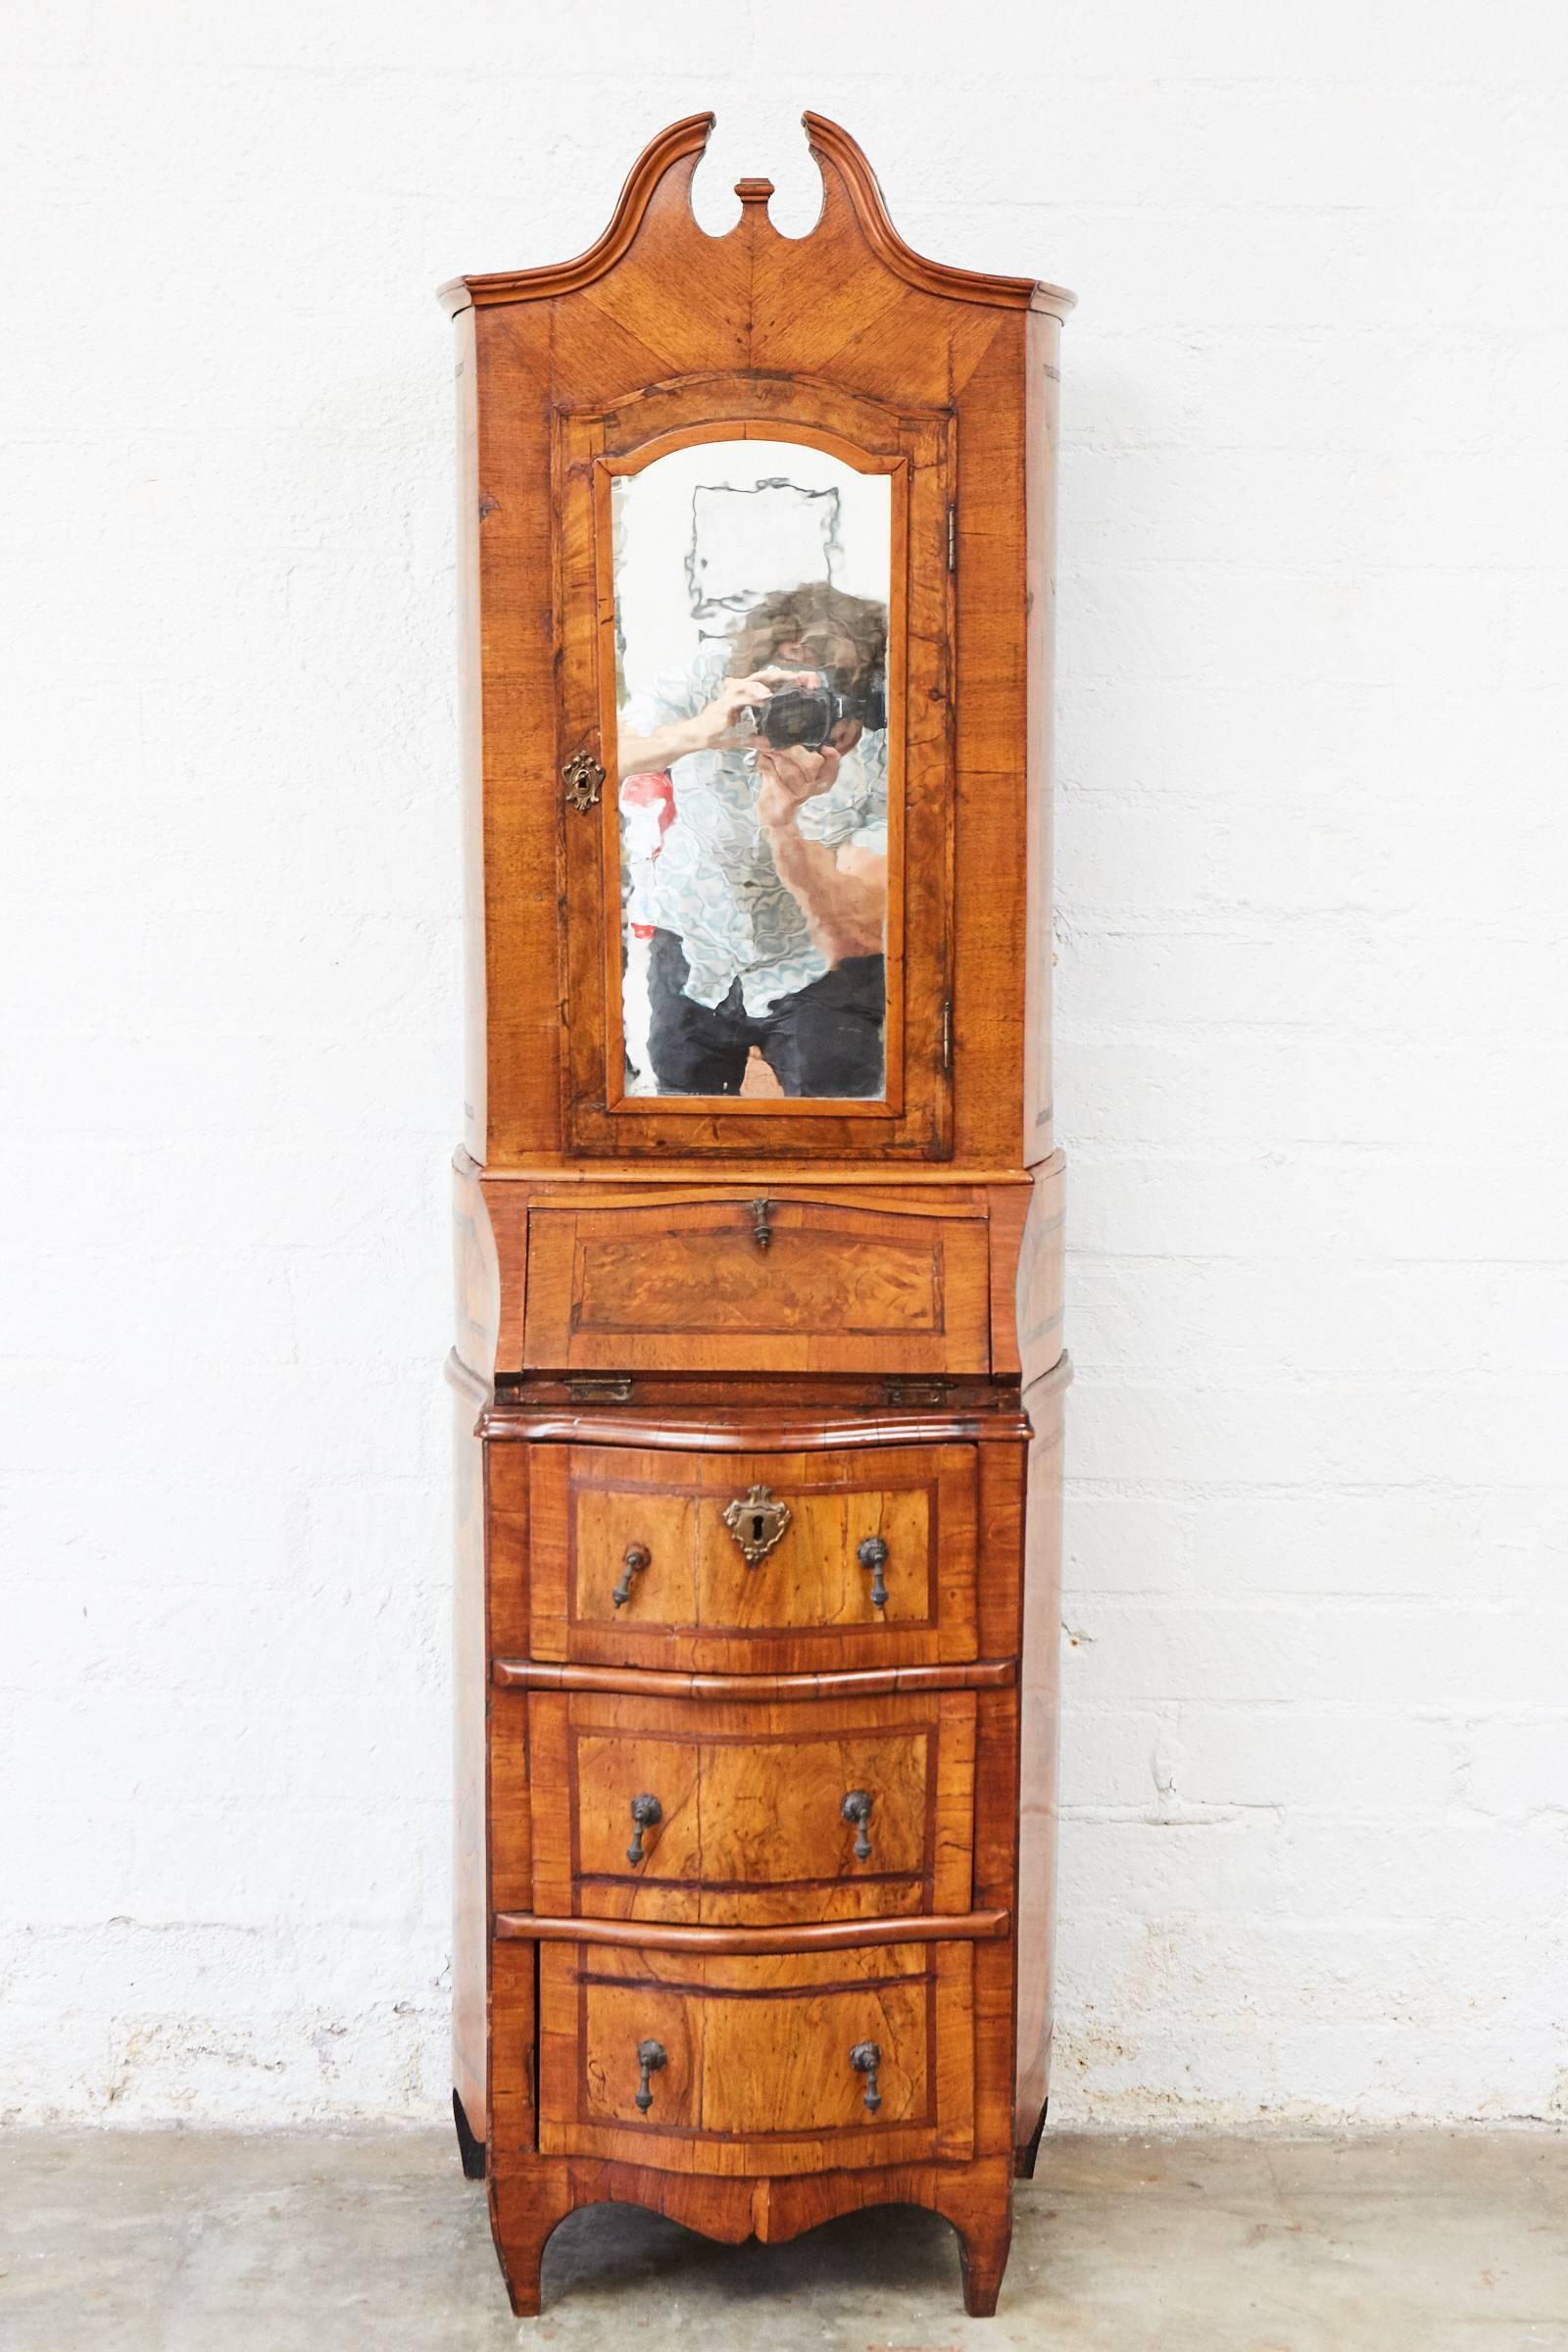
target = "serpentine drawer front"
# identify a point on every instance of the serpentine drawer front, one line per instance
(800, 2062)
(735, 1563)
(747, 1815)
(764, 1285)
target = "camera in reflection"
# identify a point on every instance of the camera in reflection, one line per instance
(803, 717)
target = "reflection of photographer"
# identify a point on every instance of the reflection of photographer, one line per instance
(769, 893)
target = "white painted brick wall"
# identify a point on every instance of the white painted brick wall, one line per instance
(1315, 615)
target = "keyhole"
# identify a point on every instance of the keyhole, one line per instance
(757, 1527)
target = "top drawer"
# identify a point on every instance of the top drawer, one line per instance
(735, 1563)
(778, 1285)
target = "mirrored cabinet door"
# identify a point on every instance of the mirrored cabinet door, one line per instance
(751, 583)
(756, 756)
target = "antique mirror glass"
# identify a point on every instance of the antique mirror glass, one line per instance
(752, 588)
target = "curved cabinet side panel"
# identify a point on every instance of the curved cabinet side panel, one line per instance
(476, 1275)
(1040, 1697)
(470, 721)
(470, 1893)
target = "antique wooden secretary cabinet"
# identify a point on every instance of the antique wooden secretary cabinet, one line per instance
(758, 1370)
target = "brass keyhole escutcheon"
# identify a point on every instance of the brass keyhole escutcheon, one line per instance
(758, 1521)
(583, 775)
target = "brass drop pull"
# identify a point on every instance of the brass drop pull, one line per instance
(638, 1556)
(873, 1554)
(757, 1520)
(761, 1230)
(865, 2058)
(646, 1812)
(857, 1807)
(651, 2058)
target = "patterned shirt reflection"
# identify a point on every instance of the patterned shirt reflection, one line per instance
(713, 882)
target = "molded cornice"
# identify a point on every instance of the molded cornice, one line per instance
(837, 154)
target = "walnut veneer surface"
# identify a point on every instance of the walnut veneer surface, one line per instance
(759, 1404)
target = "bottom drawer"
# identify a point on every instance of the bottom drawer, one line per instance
(760, 2064)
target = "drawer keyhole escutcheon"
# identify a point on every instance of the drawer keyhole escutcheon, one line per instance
(872, 1554)
(646, 1812)
(865, 2058)
(857, 1807)
(638, 1556)
(758, 1521)
(651, 2057)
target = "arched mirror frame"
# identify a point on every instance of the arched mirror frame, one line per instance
(912, 1119)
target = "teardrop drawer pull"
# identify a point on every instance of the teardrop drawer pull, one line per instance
(865, 2058)
(646, 1811)
(857, 1807)
(638, 1556)
(652, 2056)
(872, 1554)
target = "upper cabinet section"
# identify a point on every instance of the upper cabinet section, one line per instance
(753, 528)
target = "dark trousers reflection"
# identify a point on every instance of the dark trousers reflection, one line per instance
(824, 1040)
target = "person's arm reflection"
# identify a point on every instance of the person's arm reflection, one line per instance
(841, 893)
(720, 725)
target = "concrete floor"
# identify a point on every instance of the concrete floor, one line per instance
(210, 2241)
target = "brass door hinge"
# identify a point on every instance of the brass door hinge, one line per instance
(953, 538)
(599, 1388)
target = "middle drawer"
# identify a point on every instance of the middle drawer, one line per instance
(753, 1562)
(742, 1814)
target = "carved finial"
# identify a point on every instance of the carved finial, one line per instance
(754, 191)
